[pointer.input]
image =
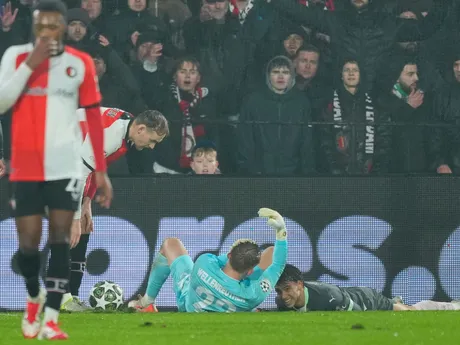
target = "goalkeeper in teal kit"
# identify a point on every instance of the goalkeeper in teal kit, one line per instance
(238, 281)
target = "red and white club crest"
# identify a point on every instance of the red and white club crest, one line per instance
(71, 72)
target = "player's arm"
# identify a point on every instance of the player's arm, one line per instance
(12, 80)
(270, 276)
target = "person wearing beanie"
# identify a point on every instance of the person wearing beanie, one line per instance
(149, 67)
(77, 28)
(430, 78)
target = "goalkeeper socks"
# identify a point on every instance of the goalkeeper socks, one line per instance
(57, 279)
(29, 265)
(158, 275)
(78, 264)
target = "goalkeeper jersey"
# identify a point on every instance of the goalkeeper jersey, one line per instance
(212, 290)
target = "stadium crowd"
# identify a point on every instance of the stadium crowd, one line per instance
(276, 87)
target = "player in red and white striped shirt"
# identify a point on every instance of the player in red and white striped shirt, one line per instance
(45, 81)
(121, 130)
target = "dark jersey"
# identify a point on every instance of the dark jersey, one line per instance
(327, 297)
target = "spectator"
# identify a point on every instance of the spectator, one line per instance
(405, 102)
(174, 14)
(294, 38)
(15, 25)
(118, 86)
(358, 148)
(276, 149)
(430, 78)
(360, 29)
(445, 148)
(204, 159)
(98, 19)
(232, 41)
(187, 107)
(77, 28)
(150, 70)
(126, 27)
(317, 90)
(308, 80)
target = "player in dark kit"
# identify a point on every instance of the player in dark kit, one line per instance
(293, 293)
(45, 81)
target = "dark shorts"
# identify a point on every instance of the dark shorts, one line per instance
(31, 198)
(369, 299)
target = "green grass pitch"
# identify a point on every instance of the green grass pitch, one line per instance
(369, 328)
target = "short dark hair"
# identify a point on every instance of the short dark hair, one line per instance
(154, 120)
(279, 61)
(194, 61)
(52, 6)
(308, 48)
(350, 60)
(290, 274)
(244, 255)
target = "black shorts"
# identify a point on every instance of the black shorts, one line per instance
(369, 299)
(31, 198)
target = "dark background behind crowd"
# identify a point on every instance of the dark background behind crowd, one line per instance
(281, 87)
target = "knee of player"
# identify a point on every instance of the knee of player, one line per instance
(172, 247)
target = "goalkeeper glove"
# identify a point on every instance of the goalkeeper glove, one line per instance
(275, 221)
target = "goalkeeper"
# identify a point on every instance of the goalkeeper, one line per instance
(238, 281)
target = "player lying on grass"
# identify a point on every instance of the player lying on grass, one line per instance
(238, 281)
(121, 129)
(293, 293)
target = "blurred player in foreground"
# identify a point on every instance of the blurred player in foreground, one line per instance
(121, 130)
(293, 293)
(238, 281)
(45, 81)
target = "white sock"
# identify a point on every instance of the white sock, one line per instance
(432, 305)
(50, 315)
(66, 297)
(146, 300)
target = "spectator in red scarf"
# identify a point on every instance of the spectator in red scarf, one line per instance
(187, 107)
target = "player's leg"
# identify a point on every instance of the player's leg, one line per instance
(181, 265)
(378, 301)
(70, 300)
(61, 197)
(369, 299)
(170, 249)
(28, 208)
(433, 305)
(402, 307)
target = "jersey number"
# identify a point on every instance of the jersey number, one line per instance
(209, 299)
(74, 188)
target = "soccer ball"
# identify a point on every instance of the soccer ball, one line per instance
(106, 295)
